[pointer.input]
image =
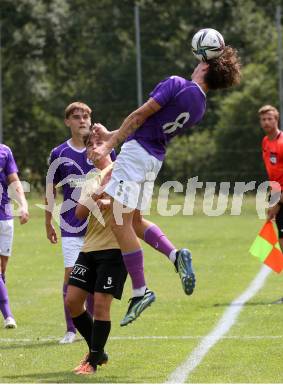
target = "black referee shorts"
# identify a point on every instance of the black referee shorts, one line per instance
(100, 271)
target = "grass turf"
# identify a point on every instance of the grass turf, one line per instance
(224, 269)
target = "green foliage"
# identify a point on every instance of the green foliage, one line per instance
(190, 156)
(58, 51)
(237, 132)
(151, 348)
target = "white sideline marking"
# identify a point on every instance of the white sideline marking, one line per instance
(223, 326)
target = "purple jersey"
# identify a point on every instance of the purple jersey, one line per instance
(68, 167)
(7, 167)
(183, 104)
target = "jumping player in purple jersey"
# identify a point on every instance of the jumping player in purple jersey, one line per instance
(175, 105)
(68, 165)
(8, 177)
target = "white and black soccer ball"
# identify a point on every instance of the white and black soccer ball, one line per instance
(207, 44)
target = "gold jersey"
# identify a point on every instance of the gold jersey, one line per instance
(99, 235)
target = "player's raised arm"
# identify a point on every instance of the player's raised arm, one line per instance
(128, 127)
(134, 121)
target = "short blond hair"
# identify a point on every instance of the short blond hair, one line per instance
(267, 108)
(76, 106)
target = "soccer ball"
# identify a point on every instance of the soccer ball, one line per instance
(207, 44)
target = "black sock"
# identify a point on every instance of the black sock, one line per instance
(100, 333)
(84, 324)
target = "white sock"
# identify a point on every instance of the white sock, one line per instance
(172, 256)
(139, 292)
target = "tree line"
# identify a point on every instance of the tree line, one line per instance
(58, 51)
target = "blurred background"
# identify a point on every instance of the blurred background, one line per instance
(110, 55)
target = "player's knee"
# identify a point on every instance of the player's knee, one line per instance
(101, 310)
(137, 221)
(73, 305)
(138, 226)
(69, 302)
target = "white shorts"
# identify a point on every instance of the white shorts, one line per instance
(6, 237)
(71, 247)
(133, 176)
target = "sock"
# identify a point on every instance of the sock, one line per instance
(68, 318)
(173, 255)
(89, 304)
(84, 324)
(4, 300)
(3, 277)
(154, 236)
(100, 333)
(134, 265)
(139, 292)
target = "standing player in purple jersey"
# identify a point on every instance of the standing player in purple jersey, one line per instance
(8, 177)
(68, 167)
(175, 105)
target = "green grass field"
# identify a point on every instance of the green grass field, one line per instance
(141, 352)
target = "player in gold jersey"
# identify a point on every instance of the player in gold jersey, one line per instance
(99, 269)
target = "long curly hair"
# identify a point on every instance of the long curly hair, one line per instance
(224, 71)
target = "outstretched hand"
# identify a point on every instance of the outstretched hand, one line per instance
(101, 147)
(100, 133)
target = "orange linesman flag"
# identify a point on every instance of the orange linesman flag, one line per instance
(266, 247)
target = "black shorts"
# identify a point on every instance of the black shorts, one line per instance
(279, 222)
(100, 271)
